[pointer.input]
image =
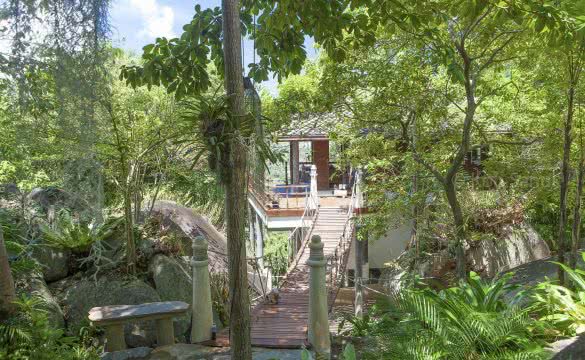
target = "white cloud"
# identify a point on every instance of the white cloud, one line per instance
(158, 20)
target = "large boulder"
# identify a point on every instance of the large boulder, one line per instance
(35, 286)
(182, 224)
(173, 281)
(521, 245)
(139, 353)
(54, 262)
(569, 349)
(9, 191)
(81, 296)
(392, 277)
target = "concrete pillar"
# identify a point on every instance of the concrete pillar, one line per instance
(359, 296)
(165, 332)
(115, 337)
(314, 192)
(294, 162)
(202, 308)
(366, 259)
(319, 336)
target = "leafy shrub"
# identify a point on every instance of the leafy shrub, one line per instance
(20, 262)
(29, 336)
(276, 252)
(77, 236)
(560, 306)
(491, 211)
(360, 326)
(469, 321)
(219, 284)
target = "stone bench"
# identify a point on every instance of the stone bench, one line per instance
(113, 318)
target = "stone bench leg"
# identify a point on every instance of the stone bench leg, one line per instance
(115, 337)
(165, 332)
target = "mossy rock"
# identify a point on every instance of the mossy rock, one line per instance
(81, 296)
(54, 262)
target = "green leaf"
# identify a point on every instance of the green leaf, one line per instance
(349, 352)
(456, 72)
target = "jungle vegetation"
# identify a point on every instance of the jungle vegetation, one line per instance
(419, 86)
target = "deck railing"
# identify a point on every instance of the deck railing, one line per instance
(271, 197)
(291, 195)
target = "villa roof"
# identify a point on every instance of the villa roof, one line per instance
(313, 126)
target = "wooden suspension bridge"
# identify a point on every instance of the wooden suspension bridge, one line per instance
(284, 324)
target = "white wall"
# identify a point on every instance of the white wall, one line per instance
(384, 249)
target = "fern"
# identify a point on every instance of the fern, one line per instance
(76, 236)
(30, 336)
(562, 307)
(469, 321)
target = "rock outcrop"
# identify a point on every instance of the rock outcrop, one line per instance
(140, 353)
(185, 224)
(488, 258)
(522, 245)
(54, 262)
(81, 296)
(569, 349)
(173, 282)
(35, 286)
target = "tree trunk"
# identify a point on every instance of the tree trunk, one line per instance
(576, 233)
(235, 183)
(565, 181)
(449, 183)
(129, 228)
(459, 229)
(125, 184)
(7, 291)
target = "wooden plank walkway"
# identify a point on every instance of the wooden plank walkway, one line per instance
(284, 325)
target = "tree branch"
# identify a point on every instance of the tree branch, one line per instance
(428, 166)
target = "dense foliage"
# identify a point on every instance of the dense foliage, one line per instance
(31, 336)
(475, 320)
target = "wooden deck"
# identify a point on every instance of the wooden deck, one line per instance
(284, 325)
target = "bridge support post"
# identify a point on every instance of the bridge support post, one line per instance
(319, 336)
(202, 309)
(359, 295)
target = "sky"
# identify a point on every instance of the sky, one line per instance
(136, 23)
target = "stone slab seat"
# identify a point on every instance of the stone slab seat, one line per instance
(113, 317)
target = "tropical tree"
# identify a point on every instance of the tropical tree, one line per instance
(570, 49)
(181, 65)
(139, 122)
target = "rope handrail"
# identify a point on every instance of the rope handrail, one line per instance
(338, 260)
(310, 204)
